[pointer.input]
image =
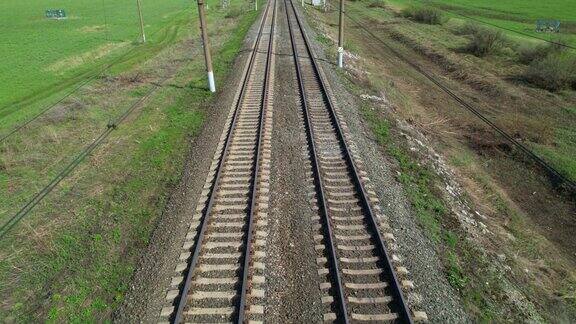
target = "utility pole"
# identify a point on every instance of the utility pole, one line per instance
(206, 42)
(141, 21)
(341, 36)
(255, 5)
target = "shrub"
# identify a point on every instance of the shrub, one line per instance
(469, 28)
(485, 41)
(233, 13)
(528, 54)
(377, 4)
(554, 72)
(425, 15)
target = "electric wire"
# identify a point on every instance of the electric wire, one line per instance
(557, 176)
(39, 196)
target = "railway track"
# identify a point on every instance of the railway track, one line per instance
(220, 277)
(221, 274)
(358, 275)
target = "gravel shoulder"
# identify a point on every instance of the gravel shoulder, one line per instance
(432, 293)
(147, 291)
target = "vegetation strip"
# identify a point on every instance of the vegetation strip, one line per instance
(72, 258)
(557, 177)
(487, 270)
(8, 225)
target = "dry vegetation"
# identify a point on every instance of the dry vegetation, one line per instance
(427, 15)
(550, 66)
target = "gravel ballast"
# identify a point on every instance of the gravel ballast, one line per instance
(294, 294)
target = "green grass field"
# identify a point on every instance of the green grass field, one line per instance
(44, 58)
(89, 232)
(517, 15)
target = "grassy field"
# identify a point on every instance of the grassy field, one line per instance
(516, 15)
(44, 58)
(543, 120)
(72, 258)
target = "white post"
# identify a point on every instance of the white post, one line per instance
(255, 5)
(341, 35)
(211, 83)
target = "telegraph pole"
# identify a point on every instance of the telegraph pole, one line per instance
(206, 42)
(341, 36)
(141, 21)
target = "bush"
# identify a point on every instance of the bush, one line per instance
(377, 4)
(469, 28)
(528, 54)
(425, 15)
(233, 13)
(554, 72)
(485, 41)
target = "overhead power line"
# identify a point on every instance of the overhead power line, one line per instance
(39, 196)
(556, 175)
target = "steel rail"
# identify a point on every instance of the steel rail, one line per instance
(264, 105)
(318, 176)
(403, 310)
(557, 177)
(205, 220)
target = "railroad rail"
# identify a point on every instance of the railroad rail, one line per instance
(361, 282)
(220, 277)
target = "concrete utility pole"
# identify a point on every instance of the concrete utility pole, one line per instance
(141, 21)
(341, 36)
(207, 56)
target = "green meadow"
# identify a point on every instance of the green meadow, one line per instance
(90, 231)
(43, 59)
(517, 15)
